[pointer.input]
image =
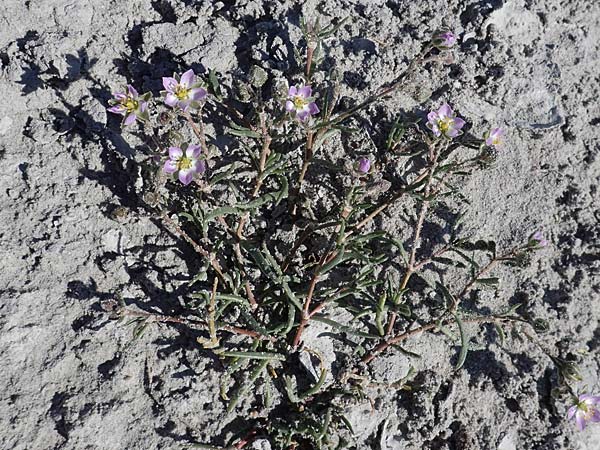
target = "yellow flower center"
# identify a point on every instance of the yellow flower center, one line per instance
(181, 92)
(184, 163)
(496, 141)
(444, 124)
(130, 104)
(299, 102)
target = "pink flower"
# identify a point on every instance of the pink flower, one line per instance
(585, 410)
(537, 240)
(183, 92)
(363, 165)
(444, 40)
(444, 122)
(301, 102)
(494, 137)
(186, 165)
(130, 105)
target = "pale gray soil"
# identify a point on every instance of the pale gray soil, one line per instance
(69, 378)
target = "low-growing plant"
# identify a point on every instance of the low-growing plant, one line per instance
(277, 258)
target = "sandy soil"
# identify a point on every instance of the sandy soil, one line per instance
(74, 233)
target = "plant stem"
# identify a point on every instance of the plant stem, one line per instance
(158, 318)
(411, 267)
(264, 154)
(452, 310)
(428, 327)
(308, 154)
(385, 205)
(306, 313)
(197, 129)
(489, 266)
(426, 261)
(327, 257)
(197, 247)
(400, 82)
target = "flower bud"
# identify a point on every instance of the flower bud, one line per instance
(444, 40)
(363, 165)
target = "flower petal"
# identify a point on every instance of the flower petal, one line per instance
(303, 114)
(489, 141)
(171, 100)
(571, 412)
(120, 96)
(595, 416)
(198, 94)
(364, 165)
(118, 109)
(313, 109)
(169, 84)
(170, 166)
(580, 420)
(188, 78)
(587, 398)
(453, 132)
(130, 119)
(459, 123)
(432, 117)
(293, 91)
(175, 153)
(186, 176)
(193, 151)
(444, 111)
(132, 91)
(143, 106)
(184, 104)
(200, 167)
(289, 106)
(305, 91)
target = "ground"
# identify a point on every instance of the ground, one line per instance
(74, 234)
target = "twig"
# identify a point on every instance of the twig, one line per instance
(428, 327)
(197, 247)
(436, 254)
(240, 259)
(411, 267)
(264, 153)
(158, 318)
(325, 259)
(198, 130)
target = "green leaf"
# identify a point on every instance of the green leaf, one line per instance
(540, 325)
(379, 314)
(237, 130)
(464, 339)
(448, 297)
(331, 29)
(347, 423)
(323, 137)
(214, 84)
(290, 294)
(253, 355)
(139, 329)
(260, 261)
(488, 281)
(216, 178)
(403, 309)
(344, 328)
(246, 386)
(501, 333)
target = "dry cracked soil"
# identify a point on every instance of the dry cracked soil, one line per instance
(73, 232)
